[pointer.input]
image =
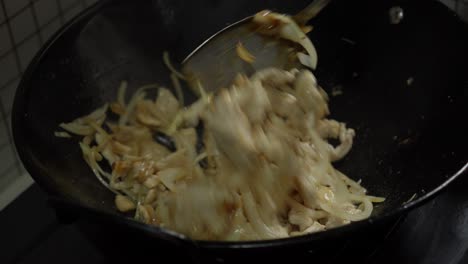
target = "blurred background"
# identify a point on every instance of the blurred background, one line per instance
(25, 25)
(427, 235)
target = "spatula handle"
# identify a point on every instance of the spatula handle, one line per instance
(310, 11)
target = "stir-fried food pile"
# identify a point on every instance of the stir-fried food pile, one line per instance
(250, 162)
(260, 168)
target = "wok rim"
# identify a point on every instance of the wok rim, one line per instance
(28, 161)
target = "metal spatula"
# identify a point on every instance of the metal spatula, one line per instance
(215, 63)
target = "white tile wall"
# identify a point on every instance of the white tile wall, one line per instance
(46, 11)
(4, 139)
(29, 33)
(5, 45)
(9, 128)
(27, 50)
(7, 157)
(13, 6)
(2, 16)
(7, 95)
(22, 25)
(14, 187)
(8, 69)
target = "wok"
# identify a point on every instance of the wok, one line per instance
(404, 92)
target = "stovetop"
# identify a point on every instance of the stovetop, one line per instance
(436, 232)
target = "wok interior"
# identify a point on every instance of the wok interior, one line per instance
(403, 86)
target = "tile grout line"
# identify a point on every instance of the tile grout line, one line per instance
(12, 39)
(61, 12)
(27, 38)
(2, 107)
(14, 50)
(10, 82)
(30, 36)
(36, 21)
(16, 13)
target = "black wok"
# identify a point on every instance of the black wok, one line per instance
(405, 91)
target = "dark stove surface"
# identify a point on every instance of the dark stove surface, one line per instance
(434, 233)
